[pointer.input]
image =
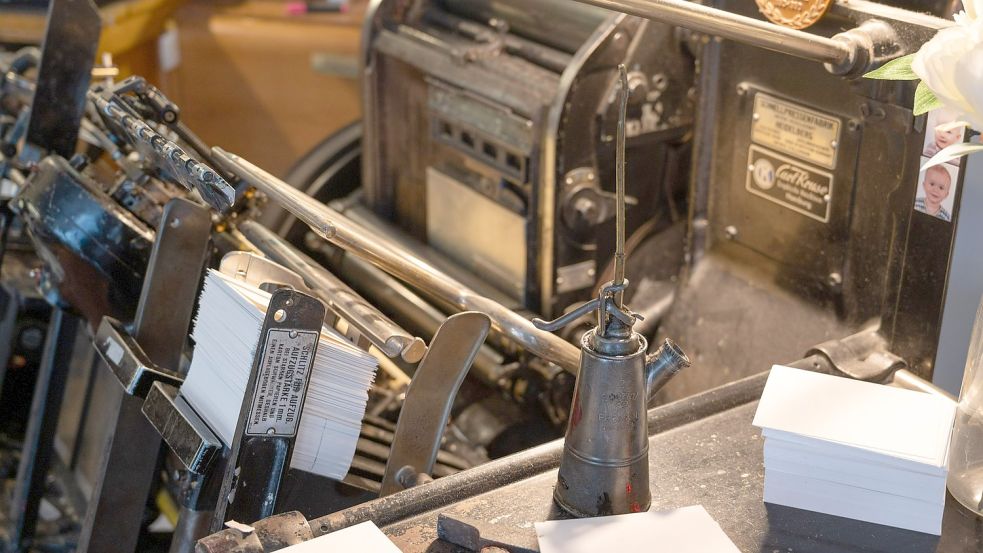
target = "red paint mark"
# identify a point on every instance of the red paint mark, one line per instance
(628, 488)
(635, 507)
(575, 416)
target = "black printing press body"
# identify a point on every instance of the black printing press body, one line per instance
(512, 213)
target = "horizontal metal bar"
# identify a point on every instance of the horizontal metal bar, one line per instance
(397, 261)
(735, 27)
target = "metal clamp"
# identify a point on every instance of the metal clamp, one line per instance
(135, 371)
(181, 428)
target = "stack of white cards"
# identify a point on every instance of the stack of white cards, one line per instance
(855, 449)
(226, 334)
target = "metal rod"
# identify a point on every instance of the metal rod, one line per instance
(619, 248)
(390, 257)
(342, 300)
(735, 27)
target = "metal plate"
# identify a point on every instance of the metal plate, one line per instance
(789, 183)
(281, 383)
(795, 130)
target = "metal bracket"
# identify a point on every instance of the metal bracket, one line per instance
(181, 428)
(862, 356)
(121, 353)
(430, 398)
(259, 461)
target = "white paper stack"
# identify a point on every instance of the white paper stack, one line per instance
(855, 449)
(226, 333)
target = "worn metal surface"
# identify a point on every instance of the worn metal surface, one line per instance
(258, 462)
(430, 397)
(126, 473)
(385, 254)
(500, 473)
(95, 252)
(36, 453)
(181, 428)
(170, 159)
(715, 462)
(121, 353)
(68, 53)
(338, 296)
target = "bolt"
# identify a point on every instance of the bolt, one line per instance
(730, 231)
(834, 144)
(742, 89)
(279, 315)
(853, 125)
(834, 280)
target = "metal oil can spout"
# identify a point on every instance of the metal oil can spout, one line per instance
(662, 365)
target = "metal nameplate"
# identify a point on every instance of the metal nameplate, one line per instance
(789, 183)
(806, 134)
(281, 382)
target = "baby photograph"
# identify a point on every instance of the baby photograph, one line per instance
(936, 190)
(940, 133)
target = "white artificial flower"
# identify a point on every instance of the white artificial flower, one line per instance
(972, 10)
(951, 65)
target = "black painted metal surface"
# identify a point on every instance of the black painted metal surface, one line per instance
(69, 50)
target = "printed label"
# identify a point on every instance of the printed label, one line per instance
(806, 134)
(789, 183)
(281, 383)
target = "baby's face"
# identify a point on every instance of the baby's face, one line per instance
(936, 185)
(946, 138)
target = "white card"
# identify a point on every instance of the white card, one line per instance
(883, 419)
(364, 538)
(685, 530)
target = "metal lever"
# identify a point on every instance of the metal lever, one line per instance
(430, 398)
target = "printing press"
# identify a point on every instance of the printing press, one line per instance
(574, 235)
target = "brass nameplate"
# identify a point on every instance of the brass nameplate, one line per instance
(794, 130)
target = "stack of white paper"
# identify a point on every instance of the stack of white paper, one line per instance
(855, 449)
(226, 333)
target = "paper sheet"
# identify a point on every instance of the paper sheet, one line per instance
(685, 530)
(364, 538)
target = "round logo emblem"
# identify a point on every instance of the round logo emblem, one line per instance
(764, 173)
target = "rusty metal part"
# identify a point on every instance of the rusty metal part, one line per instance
(269, 534)
(476, 534)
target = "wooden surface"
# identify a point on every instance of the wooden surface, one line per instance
(247, 80)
